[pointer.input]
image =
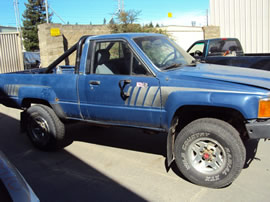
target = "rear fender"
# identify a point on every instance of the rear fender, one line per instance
(37, 92)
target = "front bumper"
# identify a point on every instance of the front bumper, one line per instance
(258, 129)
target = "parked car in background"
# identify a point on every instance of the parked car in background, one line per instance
(213, 51)
(13, 186)
(31, 60)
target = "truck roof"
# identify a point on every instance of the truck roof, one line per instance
(125, 35)
(216, 39)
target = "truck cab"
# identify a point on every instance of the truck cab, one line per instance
(216, 47)
(228, 51)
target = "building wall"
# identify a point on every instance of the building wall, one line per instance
(11, 59)
(5, 29)
(185, 36)
(247, 20)
(211, 32)
(51, 47)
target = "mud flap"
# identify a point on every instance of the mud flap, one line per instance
(170, 156)
(170, 141)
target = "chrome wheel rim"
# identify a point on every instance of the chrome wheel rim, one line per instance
(207, 156)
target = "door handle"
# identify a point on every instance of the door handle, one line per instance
(94, 82)
(123, 94)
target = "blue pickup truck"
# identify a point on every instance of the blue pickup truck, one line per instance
(147, 81)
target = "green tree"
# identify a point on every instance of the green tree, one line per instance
(34, 15)
(126, 22)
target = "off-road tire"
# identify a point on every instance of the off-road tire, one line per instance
(209, 152)
(44, 128)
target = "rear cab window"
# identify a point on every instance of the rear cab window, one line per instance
(222, 47)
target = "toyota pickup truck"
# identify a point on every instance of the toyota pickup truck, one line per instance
(147, 81)
(228, 51)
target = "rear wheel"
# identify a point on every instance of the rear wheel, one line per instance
(44, 128)
(209, 152)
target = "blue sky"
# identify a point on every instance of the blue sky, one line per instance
(94, 11)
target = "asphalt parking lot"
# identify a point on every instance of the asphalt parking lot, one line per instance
(113, 164)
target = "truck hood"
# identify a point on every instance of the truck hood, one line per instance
(247, 76)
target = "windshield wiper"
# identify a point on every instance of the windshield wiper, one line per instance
(172, 66)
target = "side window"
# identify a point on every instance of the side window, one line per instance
(197, 49)
(138, 68)
(116, 57)
(116, 51)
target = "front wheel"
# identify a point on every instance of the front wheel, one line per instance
(209, 152)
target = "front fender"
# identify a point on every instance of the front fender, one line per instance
(246, 104)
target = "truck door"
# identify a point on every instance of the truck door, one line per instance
(119, 88)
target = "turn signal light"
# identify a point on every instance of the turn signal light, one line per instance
(264, 108)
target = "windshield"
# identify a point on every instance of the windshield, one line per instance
(164, 53)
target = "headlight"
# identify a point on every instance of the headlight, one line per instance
(264, 108)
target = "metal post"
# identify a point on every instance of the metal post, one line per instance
(47, 15)
(18, 15)
(15, 10)
(122, 5)
(206, 17)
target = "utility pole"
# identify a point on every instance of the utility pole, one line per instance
(47, 15)
(120, 8)
(122, 5)
(206, 17)
(17, 15)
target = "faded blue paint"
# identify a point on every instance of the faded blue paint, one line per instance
(203, 85)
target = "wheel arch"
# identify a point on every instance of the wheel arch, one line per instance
(186, 114)
(27, 102)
